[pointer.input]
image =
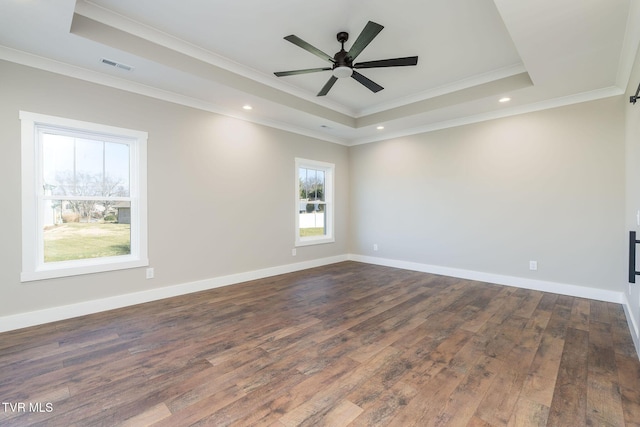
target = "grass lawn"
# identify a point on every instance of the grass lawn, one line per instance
(311, 231)
(75, 240)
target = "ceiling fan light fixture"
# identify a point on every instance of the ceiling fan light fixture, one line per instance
(342, 72)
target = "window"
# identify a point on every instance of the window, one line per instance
(83, 197)
(314, 202)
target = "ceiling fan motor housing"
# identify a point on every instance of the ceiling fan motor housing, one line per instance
(342, 59)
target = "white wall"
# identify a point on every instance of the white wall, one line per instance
(632, 115)
(220, 191)
(547, 186)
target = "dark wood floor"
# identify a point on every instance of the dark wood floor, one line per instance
(346, 344)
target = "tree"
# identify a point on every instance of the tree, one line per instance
(88, 186)
(312, 185)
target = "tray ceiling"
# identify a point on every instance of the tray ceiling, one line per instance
(220, 55)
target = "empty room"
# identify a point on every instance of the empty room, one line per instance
(320, 213)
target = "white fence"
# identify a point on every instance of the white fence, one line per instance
(312, 220)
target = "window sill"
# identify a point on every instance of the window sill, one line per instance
(314, 241)
(80, 267)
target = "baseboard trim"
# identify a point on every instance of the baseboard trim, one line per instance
(498, 279)
(39, 317)
(633, 326)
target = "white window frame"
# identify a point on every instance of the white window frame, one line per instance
(33, 265)
(329, 170)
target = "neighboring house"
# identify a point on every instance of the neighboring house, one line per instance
(124, 212)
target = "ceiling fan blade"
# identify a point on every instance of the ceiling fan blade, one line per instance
(369, 84)
(369, 32)
(306, 46)
(295, 72)
(327, 86)
(395, 62)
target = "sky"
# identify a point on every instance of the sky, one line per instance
(66, 155)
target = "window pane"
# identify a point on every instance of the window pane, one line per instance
(312, 184)
(84, 167)
(302, 174)
(58, 164)
(320, 185)
(85, 229)
(116, 170)
(313, 221)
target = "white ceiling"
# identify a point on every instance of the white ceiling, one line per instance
(218, 55)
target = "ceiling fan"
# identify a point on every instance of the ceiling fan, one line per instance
(342, 61)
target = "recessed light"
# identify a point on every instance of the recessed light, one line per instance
(380, 127)
(247, 107)
(505, 99)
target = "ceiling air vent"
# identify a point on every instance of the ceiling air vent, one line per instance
(116, 64)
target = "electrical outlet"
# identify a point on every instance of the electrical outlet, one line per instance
(533, 265)
(293, 252)
(150, 273)
(375, 246)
